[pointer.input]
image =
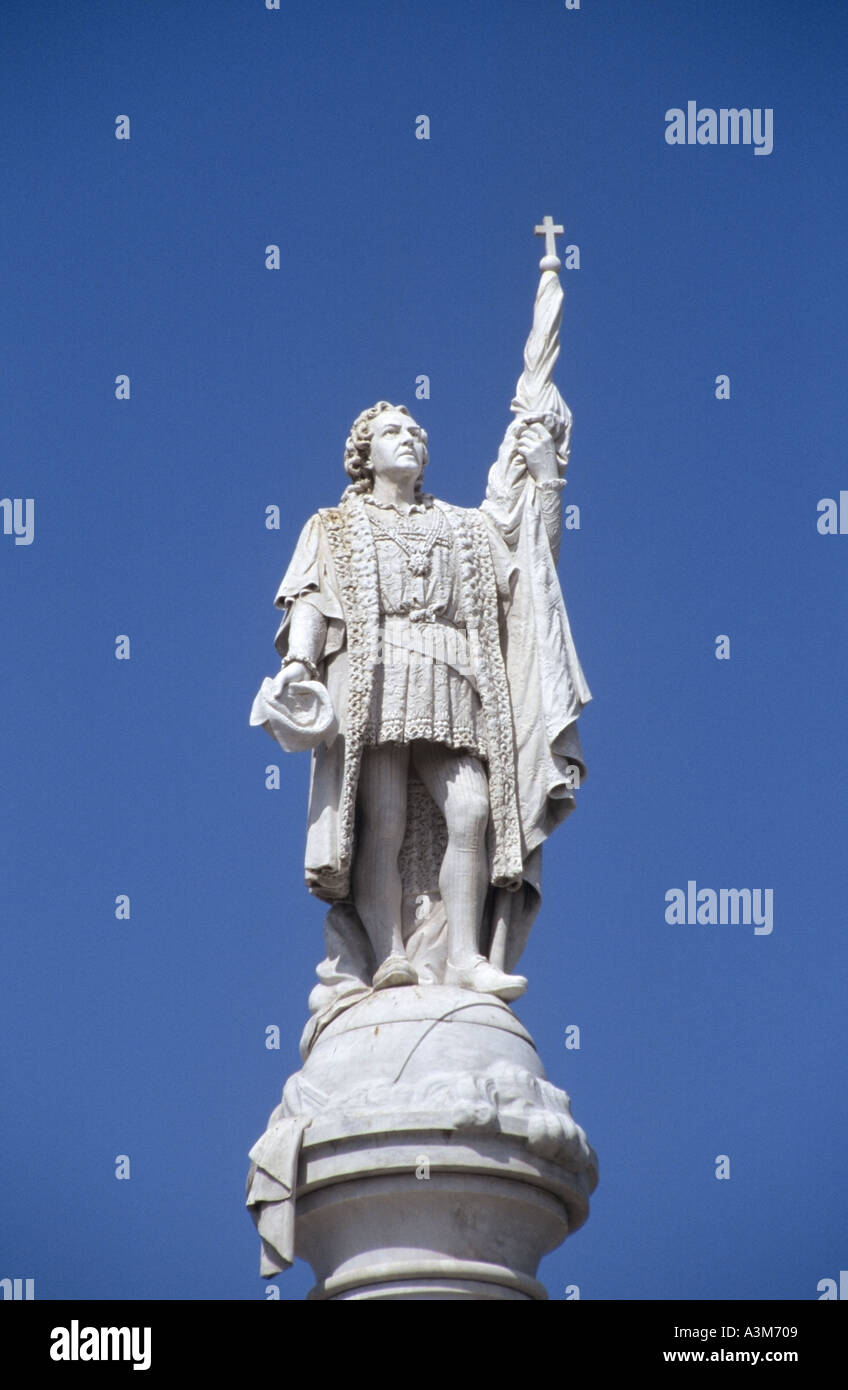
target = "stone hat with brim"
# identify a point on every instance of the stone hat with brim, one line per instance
(301, 718)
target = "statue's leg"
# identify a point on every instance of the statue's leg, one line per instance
(377, 887)
(459, 786)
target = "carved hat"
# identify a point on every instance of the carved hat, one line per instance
(300, 718)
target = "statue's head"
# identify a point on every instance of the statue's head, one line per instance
(396, 439)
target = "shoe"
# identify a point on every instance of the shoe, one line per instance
(479, 974)
(395, 971)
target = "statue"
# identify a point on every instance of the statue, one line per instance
(428, 662)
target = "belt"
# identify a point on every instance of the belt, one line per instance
(438, 638)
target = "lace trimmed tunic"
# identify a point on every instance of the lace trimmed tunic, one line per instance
(424, 686)
(424, 683)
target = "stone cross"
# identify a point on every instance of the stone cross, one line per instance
(550, 231)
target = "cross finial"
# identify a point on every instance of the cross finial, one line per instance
(550, 231)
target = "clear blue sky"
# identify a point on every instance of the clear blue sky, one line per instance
(698, 517)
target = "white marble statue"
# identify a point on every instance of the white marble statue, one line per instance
(428, 663)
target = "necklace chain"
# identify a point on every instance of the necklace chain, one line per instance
(416, 547)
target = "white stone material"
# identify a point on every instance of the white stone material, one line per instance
(445, 749)
(421, 1153)
(428, 664)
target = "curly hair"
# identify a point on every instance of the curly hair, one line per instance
(358, 449)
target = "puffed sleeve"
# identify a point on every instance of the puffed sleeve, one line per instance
(303, 575)
(310, 579)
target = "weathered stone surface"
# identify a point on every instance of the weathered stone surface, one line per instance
(422, 1121)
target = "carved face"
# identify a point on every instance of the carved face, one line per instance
(397, 446)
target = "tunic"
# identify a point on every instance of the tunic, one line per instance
(424, 684)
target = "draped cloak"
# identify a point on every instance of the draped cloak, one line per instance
(531, 685)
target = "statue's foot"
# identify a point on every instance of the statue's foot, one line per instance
(478, 973)
(395, 971)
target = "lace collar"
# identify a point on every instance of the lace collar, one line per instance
(423, 504)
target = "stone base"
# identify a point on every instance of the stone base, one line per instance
(424, 1154)
(474, 1224)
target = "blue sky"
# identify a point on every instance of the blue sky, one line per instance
(698, 517)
